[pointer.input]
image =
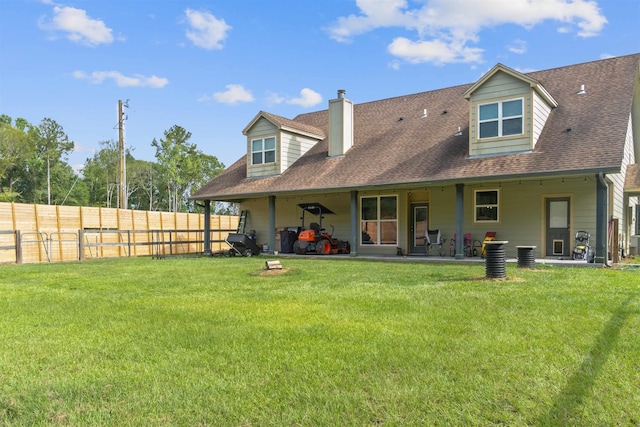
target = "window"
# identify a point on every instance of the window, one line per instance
(379, 220)
(263, 150)
(500, 119)
(486, 207)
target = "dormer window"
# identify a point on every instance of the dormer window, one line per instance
(501, 118)
(263, 150)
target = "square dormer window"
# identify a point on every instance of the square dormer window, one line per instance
(263, 150)
(502, 118)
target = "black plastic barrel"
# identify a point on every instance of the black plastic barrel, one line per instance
(495, 260)
(287, 239)
(526, 257)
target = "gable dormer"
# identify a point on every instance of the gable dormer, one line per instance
(274, 143)
(508, 110)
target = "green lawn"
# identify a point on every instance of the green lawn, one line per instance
(216, 342)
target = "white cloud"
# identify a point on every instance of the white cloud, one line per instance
(137, 80)
(446, 28)
(375, 14)
(78, 26)
(78, 168)
(274, 98)
(234, 94)
(80, 148)
(308, 98)
(394, 65)
(205, 30)
(518, 46)
(436, 51)
(525, 70)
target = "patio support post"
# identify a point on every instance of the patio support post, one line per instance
(272, 223)
(207, 227)
(459, 221)
(602, 209)
(354, 223)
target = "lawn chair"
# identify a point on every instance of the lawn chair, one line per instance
(466, 247)
(434, 239)
(488, 237)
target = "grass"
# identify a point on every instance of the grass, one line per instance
(202, 341)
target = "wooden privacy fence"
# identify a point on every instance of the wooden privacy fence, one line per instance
(43, 233)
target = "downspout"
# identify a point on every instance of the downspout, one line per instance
(602, 234)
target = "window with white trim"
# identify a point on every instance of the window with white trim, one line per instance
(263, 150)
(379, 220)
(486, 206)
(502, 118)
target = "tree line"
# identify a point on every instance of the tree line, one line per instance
(34, 169)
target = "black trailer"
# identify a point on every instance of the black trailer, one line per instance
(242, 245)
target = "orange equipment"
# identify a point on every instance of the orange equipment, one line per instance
(316, 239)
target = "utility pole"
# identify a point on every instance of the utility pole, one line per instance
(123, 160)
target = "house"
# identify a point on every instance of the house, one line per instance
(534, 157)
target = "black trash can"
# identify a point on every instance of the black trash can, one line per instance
(526, 257)
(287, 239)
(495, 261)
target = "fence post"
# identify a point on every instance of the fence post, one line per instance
(18, 247)
(207, 227)
(80, 245)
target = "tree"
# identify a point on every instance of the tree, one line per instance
(184, 167)
(51, 145)
(101, 174)
(208, 167)
(142, 180)
(16, 147)
(67, 188)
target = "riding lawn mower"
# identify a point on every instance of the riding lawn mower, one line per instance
(316, 239)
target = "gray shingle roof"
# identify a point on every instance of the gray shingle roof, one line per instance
(632, 180)
(283, 122)
(388, 151)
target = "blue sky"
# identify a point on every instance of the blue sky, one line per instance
(211, 66)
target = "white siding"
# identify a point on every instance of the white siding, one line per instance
(500, 87)
(541, 111)
(620, 208)
(258, 218)
(522, 211)
(340, 126)
(293, 147)
(261, 129)
(617, 179)
(501, 146)
(288, 215)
